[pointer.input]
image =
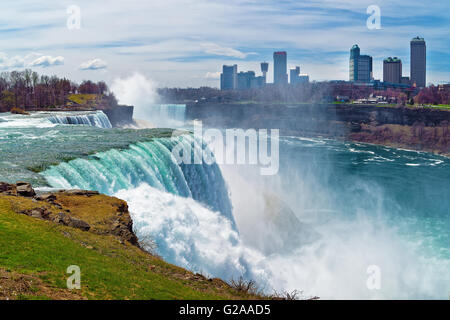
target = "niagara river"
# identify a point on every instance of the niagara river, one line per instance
(333, 212)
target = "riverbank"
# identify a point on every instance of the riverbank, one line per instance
(422, 129)
(42, 235)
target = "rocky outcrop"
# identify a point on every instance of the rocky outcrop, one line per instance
(21, 188)
(295, 117)
(120, 115)
(81, 209)
(423, 129)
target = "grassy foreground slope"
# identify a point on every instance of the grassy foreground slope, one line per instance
(35, 254)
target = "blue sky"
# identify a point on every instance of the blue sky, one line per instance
(185, 42)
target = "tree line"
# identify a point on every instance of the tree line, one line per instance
(29, 90)
(315, 92)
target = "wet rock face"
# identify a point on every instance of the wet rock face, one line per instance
(123, 225)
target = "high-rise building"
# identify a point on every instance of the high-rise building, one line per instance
(293, 75)
(229, 78)
(264, 70)
(258, 82)
(405, 80)
(296, 77)
(418, 62)
(392, 70)
(354, 55)
(303, 78)
(245, 80)
(280, 76)
(360, 66)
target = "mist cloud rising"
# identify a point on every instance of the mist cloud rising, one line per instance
(136, 90)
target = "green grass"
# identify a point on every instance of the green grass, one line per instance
(109, 270)
(442, 106)
(83, 99)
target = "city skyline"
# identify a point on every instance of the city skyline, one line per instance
(360, 70)
(185, 52)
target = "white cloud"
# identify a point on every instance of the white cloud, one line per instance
(30, 60)
(212, 75)
(47, 61)
(213, 48)
(94, 64)
(169, 39)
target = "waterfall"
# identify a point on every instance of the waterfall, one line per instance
(164, 115)
(149, 163)
(97, 119)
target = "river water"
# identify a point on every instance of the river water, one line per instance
(335, 212)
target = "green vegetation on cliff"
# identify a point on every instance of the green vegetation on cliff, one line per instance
(35, 254)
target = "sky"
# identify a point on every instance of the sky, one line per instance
(184, 43)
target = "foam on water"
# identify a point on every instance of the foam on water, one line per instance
(146, 162)
(97, 119)
(189, 235)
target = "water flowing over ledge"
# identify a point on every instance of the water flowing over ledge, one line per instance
(97, 119)
(151, 163)
(51, 119)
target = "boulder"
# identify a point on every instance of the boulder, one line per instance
(61, 218)
(49, 197)
(66, 220)
(4, 187)
(79, 224)
(24, 189)
(35, 213)
(8, 189)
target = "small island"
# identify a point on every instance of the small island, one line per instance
(22, 92)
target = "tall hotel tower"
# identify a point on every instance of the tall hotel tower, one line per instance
(280, 76)
(418, 62)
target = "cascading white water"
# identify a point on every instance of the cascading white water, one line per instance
(97, 119)
(184, 208)
(326, 255)
(151, 163)
(190, 235)
(50, 119)
(166, 115)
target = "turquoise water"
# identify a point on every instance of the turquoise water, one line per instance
(355, 205)
(31, 144)
(407, 189)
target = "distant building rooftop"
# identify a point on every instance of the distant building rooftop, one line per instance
(417, 39)
(394, 59)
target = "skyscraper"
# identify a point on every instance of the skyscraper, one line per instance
(418, 62)
(360, 66)
(293, 75)
(280, 76)
(392, 70)
(245, 80)
(229, 78)
(354, 55)
(264, 69)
